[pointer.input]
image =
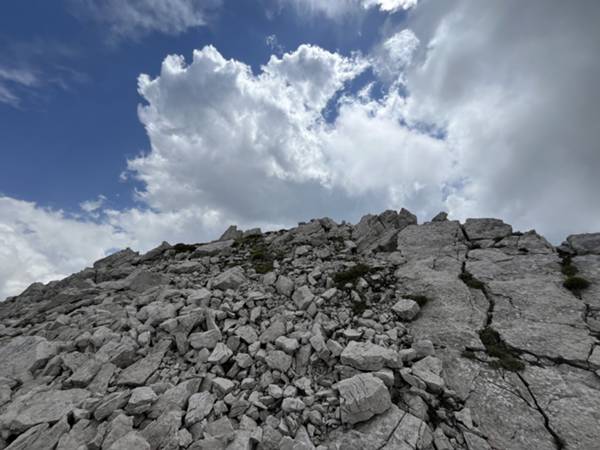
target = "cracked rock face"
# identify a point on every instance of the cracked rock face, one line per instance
(382, 335)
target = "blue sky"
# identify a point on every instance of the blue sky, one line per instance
(77, 135)
(284, 110)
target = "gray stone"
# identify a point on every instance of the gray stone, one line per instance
(369, 356)
(35, 408)
(118, 427)
(362, 396)
(278, 360)
(392, 430)
(220, 354)
(486, 229)
(584, 244)
(406, 309)
(162, 433)
(141, 400)
(139, 372)
(24, 354)
(206, 339)
(284, 286)
(200, 405)
(247, 333)
(276, 329)
(230, 279)
(131, 441)
(110, 403)
(303, 297)
(175, 398)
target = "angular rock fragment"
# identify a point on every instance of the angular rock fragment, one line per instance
(230, 279)
(369, 356)
(406, 309)
(139, 372)
(362, 396)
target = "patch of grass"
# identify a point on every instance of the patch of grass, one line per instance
(263, 267)
(471, 281)
(183, 248)
(567, 268)
(508, 359)
(469, 354)
(576, 284)
(359, 307)
(351, 275)
(420, 299)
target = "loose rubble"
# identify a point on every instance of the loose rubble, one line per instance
(383, 335)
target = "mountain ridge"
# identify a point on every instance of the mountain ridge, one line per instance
(385, 334)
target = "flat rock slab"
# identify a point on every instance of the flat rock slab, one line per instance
(41, 407)
(23, 354)
(486, 229)
(363, 396)
(230, 279)
(393, 430)
(368, 356)
(139, 372)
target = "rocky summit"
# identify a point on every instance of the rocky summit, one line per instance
(382, 335)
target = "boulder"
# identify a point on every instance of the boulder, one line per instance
(362, 396)
(230, 279)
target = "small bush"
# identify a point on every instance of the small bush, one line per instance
(576, 284)
(471, 281)
(569, 270)
(420, 299)
(508, 359)
(183, 248)
(359, 307)
(263, 267)
(469, 354)
(351, 275)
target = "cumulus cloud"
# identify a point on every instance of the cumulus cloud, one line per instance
(136, 18)
(258, 147)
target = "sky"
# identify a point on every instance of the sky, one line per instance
(131, 122)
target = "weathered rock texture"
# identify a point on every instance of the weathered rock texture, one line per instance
(384, 335)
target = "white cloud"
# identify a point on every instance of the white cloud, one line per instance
(336, 9)
(37, 244)
(257, 147)
(11, 80)
(89, 206)
(518, 99)
(136, 18)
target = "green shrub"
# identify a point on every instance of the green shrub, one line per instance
(420, 299)
(576, 284)
(508, 359)
(471, 281)
(263, 267)
(183, 248)
(359, 307)
(569, 270)
(351, 275)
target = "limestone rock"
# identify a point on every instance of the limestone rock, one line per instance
(368, 356)
(230, 279)
(363, 396)
(406, 309)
